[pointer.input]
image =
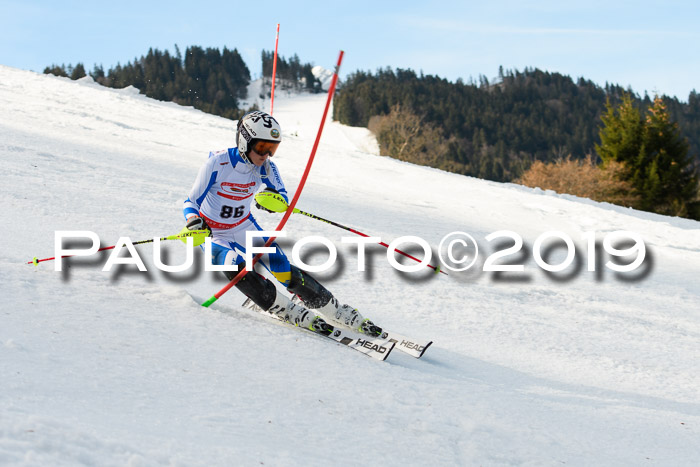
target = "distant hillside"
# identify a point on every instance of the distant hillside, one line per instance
(211, 80)
(488, 130)
(494, 130)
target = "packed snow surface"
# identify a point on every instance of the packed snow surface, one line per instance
(575, 367)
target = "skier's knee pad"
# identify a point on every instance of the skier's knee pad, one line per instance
(311, 292)
(254, 286)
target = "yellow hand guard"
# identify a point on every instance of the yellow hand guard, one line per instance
(271, 201)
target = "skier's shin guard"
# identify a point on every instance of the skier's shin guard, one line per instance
(254, 286)
(311, 292)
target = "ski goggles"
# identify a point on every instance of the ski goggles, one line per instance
(265, 147)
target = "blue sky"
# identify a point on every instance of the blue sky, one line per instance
(651, 46)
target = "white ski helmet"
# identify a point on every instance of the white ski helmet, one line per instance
(257, 131)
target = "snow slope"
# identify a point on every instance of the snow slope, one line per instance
(126, 368)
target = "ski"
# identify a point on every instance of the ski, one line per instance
(412, 347)
(407, 345)
(376, 347)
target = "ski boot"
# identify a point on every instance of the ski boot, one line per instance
(298, 315)
(345, 315)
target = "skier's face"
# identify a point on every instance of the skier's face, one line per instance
(261, 150)
(257, 159)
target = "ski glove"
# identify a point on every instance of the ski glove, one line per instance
(197, 223)
(270, 200)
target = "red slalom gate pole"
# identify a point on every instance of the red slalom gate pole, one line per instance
(302, 182)
(274, 69)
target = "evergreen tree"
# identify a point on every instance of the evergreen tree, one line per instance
(654, 156)
(98, 73)
(78, 72)
(664, 172)
(56, 70)
(621, 133)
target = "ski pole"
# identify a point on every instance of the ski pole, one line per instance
(273, 202)
(302, 182)
(197, 235)
(357, 232)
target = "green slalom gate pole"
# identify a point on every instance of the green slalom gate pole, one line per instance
(198, 235)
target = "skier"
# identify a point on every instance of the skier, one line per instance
(220, 202)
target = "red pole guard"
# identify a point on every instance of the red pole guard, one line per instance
(274, 69)
(242, 273)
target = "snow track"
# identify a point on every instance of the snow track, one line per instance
(125, 368)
